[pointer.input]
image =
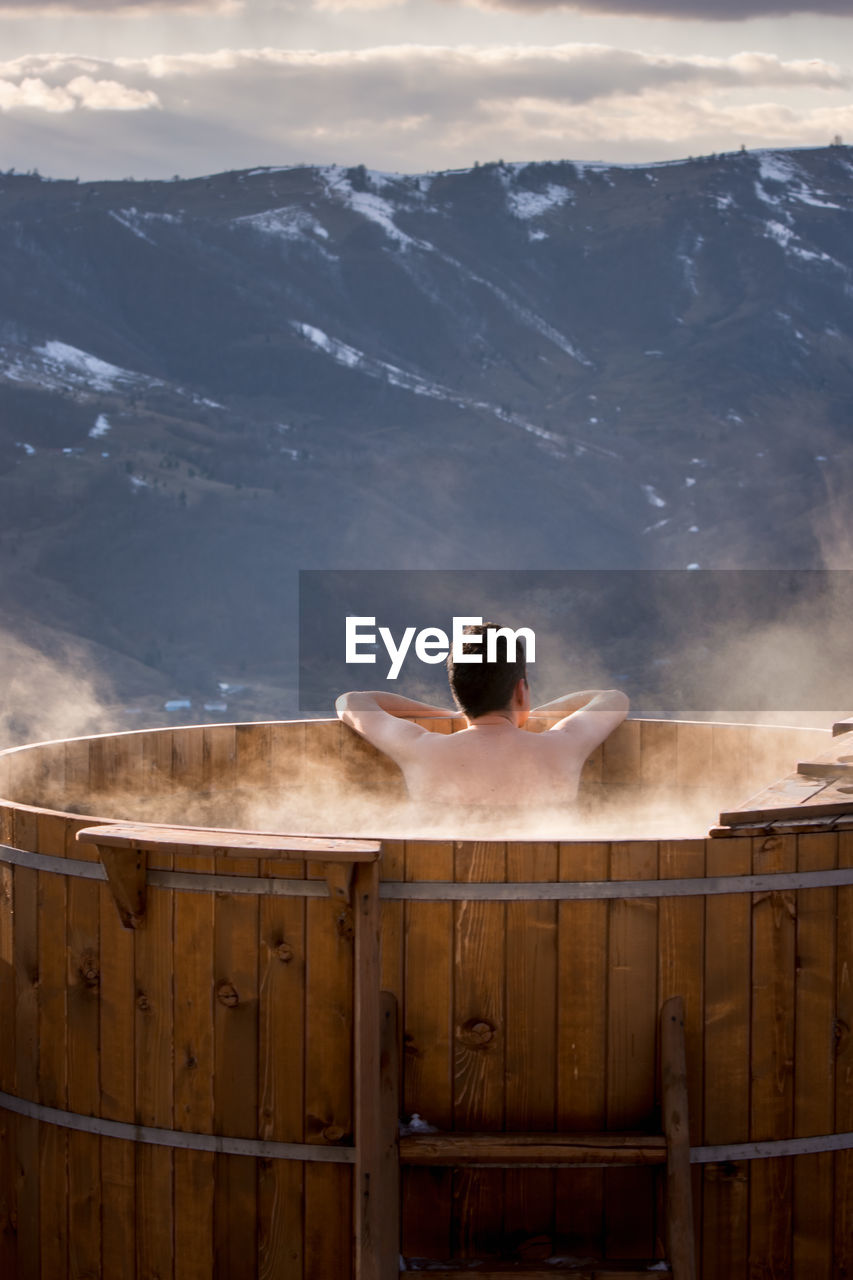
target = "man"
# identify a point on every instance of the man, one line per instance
(493, 761)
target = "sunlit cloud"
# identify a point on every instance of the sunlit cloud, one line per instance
(686, 10)
(411, 106)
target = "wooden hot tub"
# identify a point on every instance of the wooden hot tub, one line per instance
(177, 1097)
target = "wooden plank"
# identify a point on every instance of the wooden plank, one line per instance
(219, 757)
(26, 1020)
(389, 1126)
(814, 1063)
(480, 1045)
(621, 755)
(582, 1045)
(782, 799)
(843, 1160)
(53, 1051)
(281, 1077)
(117, 1079)
(772, 1057)
(193, 1072)
(694, 752)
(328, 1083)
(154, 1085)
(428, 1056)
(631, 1040)
(680, 1250)
(8, 1124)
(681, 936)
(553, 1149)
(235, 844)
(728, 960)
(366, 1063)
(235, 1101)
(83, 1014)
(531, 1037)
(658, 752)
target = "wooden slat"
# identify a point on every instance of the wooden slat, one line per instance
(771, 1058)
(428, 1054)
(235, 1099)
(389, 1126)
(118, 1016)
(328, 1081)
(53, 1054)
(83, 1014)
(680, 1250)
(782, 799)
(553, 1149)
(366, 1068)
(154, 1086)
(282, 1077)
(531, 1036)
(632, 1034)
(582, 1045)
(843, 1160)
(814, 1066)
(26, 1022)
(728, 960)
(681, 934)
(194, 1073)
(480, 1045)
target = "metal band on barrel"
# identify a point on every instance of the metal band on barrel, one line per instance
(452, 891)
(214, 1142)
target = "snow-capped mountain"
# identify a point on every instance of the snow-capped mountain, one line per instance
(208, 384)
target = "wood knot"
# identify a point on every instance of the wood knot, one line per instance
(770, 844)
(477, 1033)
(333, 1133)
(284, 952)
(88, 969)
(227, 994)
(142, 1002)
(344, 925)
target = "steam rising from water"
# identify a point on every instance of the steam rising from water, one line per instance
(48, 696)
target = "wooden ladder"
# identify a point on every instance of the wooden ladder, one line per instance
(669, 1149)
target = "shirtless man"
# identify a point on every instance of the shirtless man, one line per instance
(493, 761)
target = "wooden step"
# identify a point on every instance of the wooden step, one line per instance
(544, 1150)
(582, 1271)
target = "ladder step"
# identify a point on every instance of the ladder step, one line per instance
(583, 1271)
(543, 1150)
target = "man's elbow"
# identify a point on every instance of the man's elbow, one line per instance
(619, 701)
(343, 704)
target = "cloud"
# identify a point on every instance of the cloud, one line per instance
(407, 106)
(703, 10)
(114, 8)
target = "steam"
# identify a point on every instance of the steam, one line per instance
(46, 696)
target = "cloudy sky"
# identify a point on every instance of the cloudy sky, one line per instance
(150, 88)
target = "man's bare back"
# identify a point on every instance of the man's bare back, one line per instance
(494, 761)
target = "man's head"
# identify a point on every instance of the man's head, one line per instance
(481, 687)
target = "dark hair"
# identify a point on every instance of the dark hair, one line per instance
(480, 687)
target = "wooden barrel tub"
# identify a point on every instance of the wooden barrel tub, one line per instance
(176, 1098)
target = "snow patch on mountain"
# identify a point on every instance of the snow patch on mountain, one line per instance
(290, 223)
(534, 204)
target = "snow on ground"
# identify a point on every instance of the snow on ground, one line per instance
(787, 239)
(352, 358)
(28, 449)
(78, 366)
(368, 204)
(290, 223)
(652, 496)
(101, 427)
(533, 204)
(689, 481)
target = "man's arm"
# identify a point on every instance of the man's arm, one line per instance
(380, 718)
(589, 715)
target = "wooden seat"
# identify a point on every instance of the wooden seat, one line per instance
(669, 1149)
